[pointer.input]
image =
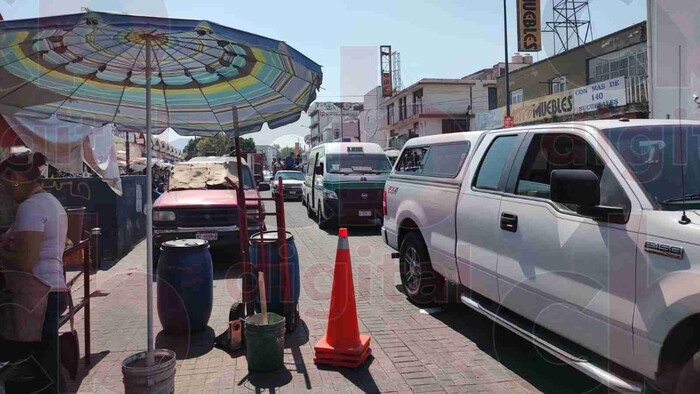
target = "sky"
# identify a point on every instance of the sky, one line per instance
(436, 38)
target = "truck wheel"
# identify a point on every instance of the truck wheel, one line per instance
(420, 282)
(689, 377)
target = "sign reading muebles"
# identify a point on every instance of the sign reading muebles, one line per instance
(529, 26)
(610, 93)
(543, 108)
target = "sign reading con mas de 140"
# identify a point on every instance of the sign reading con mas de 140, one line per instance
(610, 93)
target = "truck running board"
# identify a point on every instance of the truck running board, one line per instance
(600, 375)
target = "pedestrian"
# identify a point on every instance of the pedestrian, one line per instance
(289, 161)
(32, 255)
(276, 166)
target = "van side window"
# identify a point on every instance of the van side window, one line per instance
(491, 168)
(445, 160)
(412, 160)
(549, 152)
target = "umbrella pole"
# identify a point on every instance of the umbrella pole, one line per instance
(243, 225)
(149, 211)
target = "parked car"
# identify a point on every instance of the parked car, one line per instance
(344, 183)
(583, 238)
(292, 182)
(201, 203)
(267, 176)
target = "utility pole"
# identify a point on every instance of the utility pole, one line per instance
(505, 34)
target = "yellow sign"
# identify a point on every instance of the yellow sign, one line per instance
(529, 26)
(543, 108)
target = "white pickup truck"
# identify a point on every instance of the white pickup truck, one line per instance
(583, 238)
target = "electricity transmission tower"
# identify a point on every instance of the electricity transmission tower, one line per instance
(570, 25)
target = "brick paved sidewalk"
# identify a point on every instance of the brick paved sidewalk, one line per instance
(451, 351)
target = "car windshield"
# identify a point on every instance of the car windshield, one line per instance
(653, 155)
(358, 164)
(292, 175)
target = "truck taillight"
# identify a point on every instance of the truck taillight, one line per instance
(384, 210)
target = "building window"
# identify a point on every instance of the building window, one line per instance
(390, 114)
(454, 125)
(418, 102)
(627, 62)
(402, 108)
(516, 96)
(493, 98)
(557, 85)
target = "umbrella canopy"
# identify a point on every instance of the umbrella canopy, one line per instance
(206, 78)
(196, 77)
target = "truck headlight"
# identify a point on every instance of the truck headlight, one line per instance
(329, 194)
(163, 216)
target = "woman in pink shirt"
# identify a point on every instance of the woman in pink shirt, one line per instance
(32, 254)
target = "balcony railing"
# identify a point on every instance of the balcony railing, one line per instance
(637, 90)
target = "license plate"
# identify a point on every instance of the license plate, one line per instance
(292, 192)
(365, 213)
(208, 236)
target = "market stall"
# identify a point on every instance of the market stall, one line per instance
(196, 77)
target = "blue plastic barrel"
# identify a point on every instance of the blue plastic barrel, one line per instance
(273, 269)
(185, 285)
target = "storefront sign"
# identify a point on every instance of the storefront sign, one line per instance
(610, 93)
(529, 26)
(490, 120)
(544, 108)
(387, 89)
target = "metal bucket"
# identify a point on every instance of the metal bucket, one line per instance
(156, 379)
(264, 343)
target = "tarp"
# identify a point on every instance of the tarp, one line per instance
(67, 145)
(201, 175)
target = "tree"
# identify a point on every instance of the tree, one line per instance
(190, 150)
(222, 145)
(219, 145)
(248, 145)
(284, 152)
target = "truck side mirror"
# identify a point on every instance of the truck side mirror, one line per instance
(319, 169)
(582, 188)
(578, 187)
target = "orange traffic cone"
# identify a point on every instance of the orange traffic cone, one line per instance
(342, 345)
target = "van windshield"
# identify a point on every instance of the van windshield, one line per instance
(653, 155)
(358, 164)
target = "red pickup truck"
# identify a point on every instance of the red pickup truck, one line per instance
(201, 203)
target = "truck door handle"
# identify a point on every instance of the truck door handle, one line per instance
(509, 222)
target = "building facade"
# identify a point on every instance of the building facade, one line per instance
(605, 78)
(334, 121)
(269, 152)
(430, 106)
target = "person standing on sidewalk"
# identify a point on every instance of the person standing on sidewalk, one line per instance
(32, 256)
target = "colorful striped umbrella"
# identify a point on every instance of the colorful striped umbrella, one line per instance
(196, 77)
(91, 68)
